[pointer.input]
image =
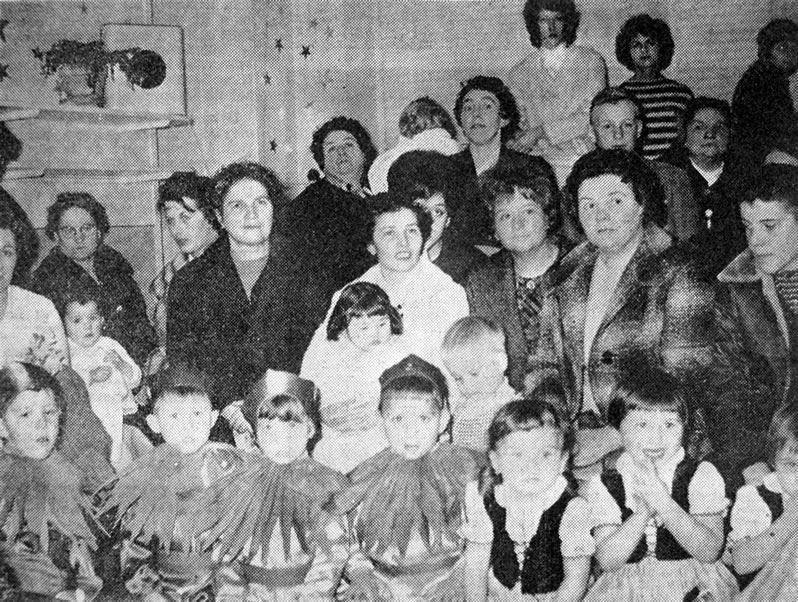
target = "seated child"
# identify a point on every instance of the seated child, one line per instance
(764, 519)
(168, 501)
(108, 371)
(408, 500)
(526, 531)
(362, 341)
(659, 513)
(473, 352)
(45, 538)
(304, 557)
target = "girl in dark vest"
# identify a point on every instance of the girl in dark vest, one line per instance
(764, 518)
(659, 513)
(527, 534)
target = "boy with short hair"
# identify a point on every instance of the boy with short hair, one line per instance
(474, 353)
(408, 500)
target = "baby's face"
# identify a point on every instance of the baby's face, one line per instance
(477, 376)
(83, 323)
(367, 332)
(184, 421)
(31, 423)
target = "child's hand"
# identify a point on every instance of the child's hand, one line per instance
(235, 418)
(113, 358)
(652, 489)
(99, 375)
(755, 474)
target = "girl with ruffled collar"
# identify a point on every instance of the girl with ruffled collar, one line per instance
(407, 502)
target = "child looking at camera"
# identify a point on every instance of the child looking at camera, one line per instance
(408, 500)
(363, 339)
(659, 513)
(473, 352)
(526, 530)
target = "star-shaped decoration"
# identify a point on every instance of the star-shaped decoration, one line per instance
(278, 44)
(314, 23)
(3, 71)
(83, 8)
(273, 145)
(305, 51)
(329, 32)
(3, 24)
(38, 53)
(267, 79)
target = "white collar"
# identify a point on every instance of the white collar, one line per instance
(524, 512)
(710, 175)
(553, 58)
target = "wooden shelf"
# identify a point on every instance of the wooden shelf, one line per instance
(19, 172)
(127, 176)
(94, 118)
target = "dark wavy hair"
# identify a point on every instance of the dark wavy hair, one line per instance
(501, 181)
(631, 169)
(286, 408)
(344, 124)
(654, 29)
(706, 102)
(566, 8)
(508, 107)
(774, 183)
(775, 32)
(229, 175)
(18, 377)
(14, 219)
(188, 184)
(182, 378)
(361, 299)
(423, 173)
(393, 202)
(424, 114)
(80, 200)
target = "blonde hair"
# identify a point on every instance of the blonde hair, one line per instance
(473, 335)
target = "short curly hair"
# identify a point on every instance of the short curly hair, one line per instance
(344, 124)
(79, 200)
(425, 114)
(188, 184)
(14, 219)
(229, 175)
(631, 169)
(393, 202)
(654, 29)
(566, 8)
(508, 107)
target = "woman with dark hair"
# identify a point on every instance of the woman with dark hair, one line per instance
(327, 222)
(645, 47)
(235, 311)
(555, 84)
(625, 293)
(78, 224)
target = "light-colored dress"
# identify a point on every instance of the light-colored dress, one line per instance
(652, 579)
(522, 522)
(472, 416)
(31, 331)
(348, 379)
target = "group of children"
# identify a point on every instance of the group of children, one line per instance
(495, 514)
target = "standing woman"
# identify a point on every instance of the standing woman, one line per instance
(554, 86)
(77, 223)
(235, 311)
(645, 47)
(628, 294)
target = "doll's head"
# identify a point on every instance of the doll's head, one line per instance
(528, 446)
(181, 408)
(80, 310)
(414, 406)
(283, 410)
(31, 404)
(365, 315)
(425, 114)
(474, 353)
(782, 447)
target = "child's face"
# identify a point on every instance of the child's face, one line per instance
(652, 436)
(519, 221)
(30, 424)
(397, 241)
(367, 332)
(83, 323)
(529, 461)
(283, 441)
(184, 421)
(478, 376)
(412, 423)
(785, 465)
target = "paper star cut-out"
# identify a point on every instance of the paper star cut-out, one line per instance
(273, 145)
(305, 51)
(278, 44)
(3, 24)
(3, 71)
(267, 79)
(314, 23)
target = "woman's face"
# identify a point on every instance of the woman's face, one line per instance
(8, 257)
(435, 206)
(343, 158)
(187, 225)
(644, 53)
(397, 241)
(247, 213)
(551, 25)
(609, 212)
(77, 235)
(519, 221)
(707, 135)
(481, 117)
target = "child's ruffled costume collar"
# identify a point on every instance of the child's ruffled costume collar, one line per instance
(396, 497)
(36, 495)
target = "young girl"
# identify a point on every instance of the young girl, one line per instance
(362, 341)
(659, 513)
(285, 545)
(46, 539)
(526, 530)
(764, 518)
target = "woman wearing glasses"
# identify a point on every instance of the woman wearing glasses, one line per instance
(77, 224)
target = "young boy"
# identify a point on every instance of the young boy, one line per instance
(408, 500)
(474, 353)
(168, 500)
(46, 537)
(109, 372)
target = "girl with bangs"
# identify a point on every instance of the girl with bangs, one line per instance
(363, 339)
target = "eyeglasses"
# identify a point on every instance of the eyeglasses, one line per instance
(70, 232)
